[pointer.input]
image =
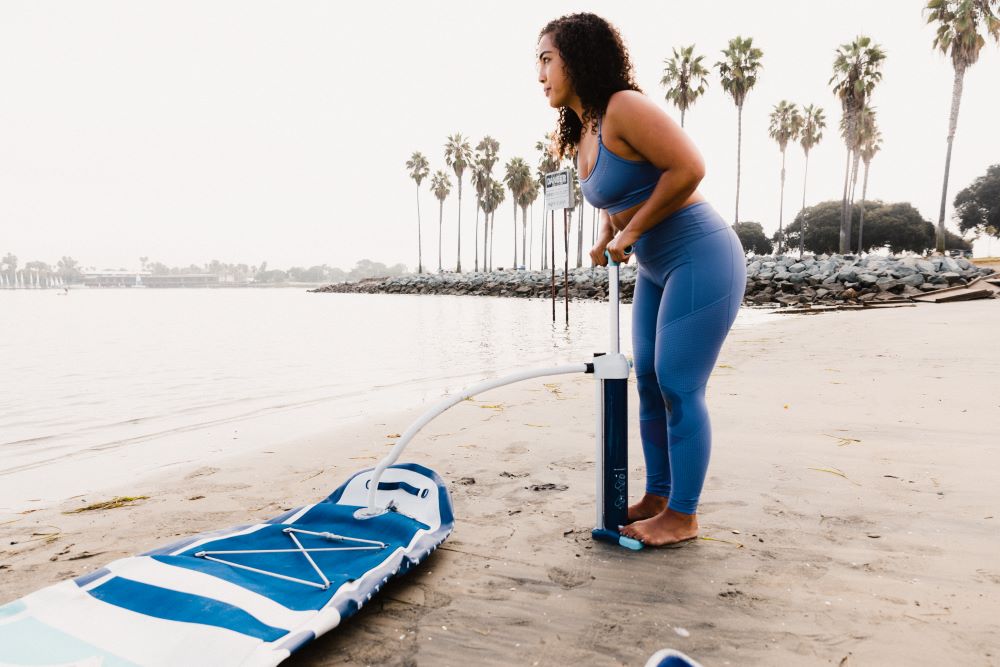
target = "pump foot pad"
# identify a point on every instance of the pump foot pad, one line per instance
(615, 537)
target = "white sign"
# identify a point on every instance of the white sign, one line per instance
(559, 190)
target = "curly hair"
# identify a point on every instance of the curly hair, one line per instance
(597, 65)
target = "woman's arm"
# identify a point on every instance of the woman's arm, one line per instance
(637, 121)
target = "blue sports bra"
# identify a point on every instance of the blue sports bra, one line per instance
(616, 184)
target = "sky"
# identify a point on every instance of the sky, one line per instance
(258, 131)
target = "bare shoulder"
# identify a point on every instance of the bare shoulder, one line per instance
(638, 128)
(628, 104)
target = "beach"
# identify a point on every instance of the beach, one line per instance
(849, 517)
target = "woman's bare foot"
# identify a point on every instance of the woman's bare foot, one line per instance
(648, 507)
(667, 527)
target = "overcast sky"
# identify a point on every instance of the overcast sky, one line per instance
(250, 131)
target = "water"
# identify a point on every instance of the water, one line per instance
(100, 384)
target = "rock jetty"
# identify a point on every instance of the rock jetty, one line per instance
(771, 279)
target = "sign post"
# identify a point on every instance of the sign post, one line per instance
(559, 195)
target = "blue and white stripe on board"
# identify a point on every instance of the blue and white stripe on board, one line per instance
(249, 595)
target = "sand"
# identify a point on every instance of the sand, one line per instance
(850, 516)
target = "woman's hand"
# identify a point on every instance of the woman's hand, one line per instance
(617, 247)
(597, 252)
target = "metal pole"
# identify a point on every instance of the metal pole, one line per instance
(614, 337)
(552, 224)
(566, 259)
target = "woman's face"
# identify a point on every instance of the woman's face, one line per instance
(552, 73)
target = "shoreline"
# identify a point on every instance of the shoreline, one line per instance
(782, 280)
(892, 561)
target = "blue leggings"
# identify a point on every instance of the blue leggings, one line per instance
(688, 289)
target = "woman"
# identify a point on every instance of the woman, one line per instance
(642, 171)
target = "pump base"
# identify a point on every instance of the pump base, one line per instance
(613, 536)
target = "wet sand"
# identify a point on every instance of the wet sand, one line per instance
(850, 516)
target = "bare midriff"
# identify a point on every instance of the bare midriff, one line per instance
(622, 218)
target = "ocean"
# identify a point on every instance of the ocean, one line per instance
(98, 383)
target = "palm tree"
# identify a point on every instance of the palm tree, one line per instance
(485, 203)
(813, 123)
(739, 75)
(441, 187)
(526, 198)
(10, 263)
(864, 127)
(458, 155)
(547, 163)
(482, 170)
(480, 177)
(959, 35)
(684, 77)
(417, 164)
(517, 176)
(492, 199)
(856, 71)
(786, 123)
(871, 143)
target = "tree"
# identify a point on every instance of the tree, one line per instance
(517, 176)
(458, 155)
(863, 130)
(870, 145)
(896, 225)
(738, 73)
(417, 165)
(441, 187)
(684, 77)
(752, 238)
(528, 196)
(69, 269)
(547, 163)
(482, 174)
(961, 33)
(786, 123)
(10, 266)
(492, 198)
(813, 124)
(857, 68)
(977, 207)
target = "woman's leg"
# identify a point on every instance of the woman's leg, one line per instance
(700, 299)
(652, 412)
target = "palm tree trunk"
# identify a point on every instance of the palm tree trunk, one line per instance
(531, 234)
(861, 222)
(514, 204)
(739, 147)
(475, 244)
(854, 175)
(956, 100)
(524, 236)
(845, 222)
(781, 206)
(683, 111)
(420, 251)
(854, 188)
(802, 222)
(493, 222)
(440, 226)
(545, 241)
(486, 227)
(458, 262)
